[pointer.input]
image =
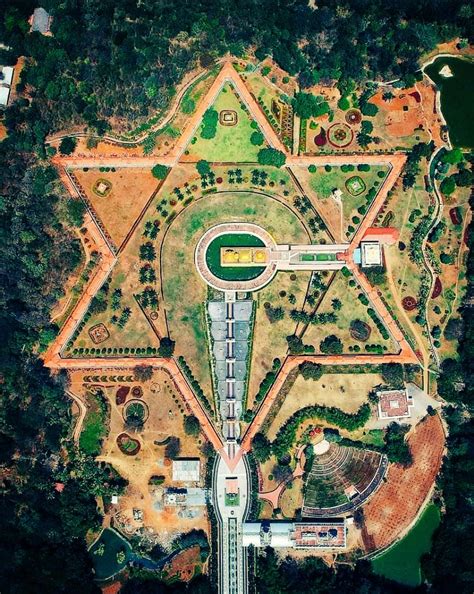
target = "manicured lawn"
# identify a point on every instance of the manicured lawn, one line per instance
(231, 143)
(352, 309)
(213, 256)
(402, 562)
(323, 183)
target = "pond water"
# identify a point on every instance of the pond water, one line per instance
(457, 98)
(109, 544)
(402, 562)
(213, 256)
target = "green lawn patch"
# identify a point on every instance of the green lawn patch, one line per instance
(402, 561)
(214, 141)
(94, 428)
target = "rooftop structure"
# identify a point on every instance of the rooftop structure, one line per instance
(40, 21)
(394, 404)
(371, 254)
(5, 84)
(186, 470)
(191, 497)
(385, 235)
(319, 534)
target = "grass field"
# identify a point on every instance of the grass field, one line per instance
(346, 391)
(94, 428)
(323, 182)
(402, 562)
(270, 338)
(352, 309)
(231, 143)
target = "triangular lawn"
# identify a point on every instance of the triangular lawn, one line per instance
(128, 193)
(137, 333)
(345, 289)
(356, 185)
(214, 141)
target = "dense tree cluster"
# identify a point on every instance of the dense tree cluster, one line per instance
(276, 576)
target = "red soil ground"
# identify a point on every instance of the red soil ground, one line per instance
(396, 504)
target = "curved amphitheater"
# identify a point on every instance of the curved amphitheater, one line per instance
(341, 479)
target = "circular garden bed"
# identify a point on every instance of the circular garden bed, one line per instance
(355, 185)
(353, 117)
(409, 303)
(340, 135)
(128, 445)
(137, 391)
(135, 413)
(360, 330)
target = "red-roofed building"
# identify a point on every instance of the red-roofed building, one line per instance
(385, 235)
(394, 404)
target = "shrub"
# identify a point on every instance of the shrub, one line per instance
(209, 124)
(447, 186)
(331, 345)
(312, 168)
(256, 138)
(343, 103)
(271, 156)
(203, 167)
(159, 171)
(166, 348)
(310, 370)
(192, 425)
(67, 145)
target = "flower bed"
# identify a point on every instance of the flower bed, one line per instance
(128, 445)
(121, 395)
(340, 135)
(409, 303)
(438, 287)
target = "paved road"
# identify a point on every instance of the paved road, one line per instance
(232, 568)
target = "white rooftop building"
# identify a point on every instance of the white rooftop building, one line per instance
(323, 533)
(371, 253)
(6, 79)
(186, 470)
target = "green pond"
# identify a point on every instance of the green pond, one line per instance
(402, 562)
(457, 98)
(106, 564)
(237, 273)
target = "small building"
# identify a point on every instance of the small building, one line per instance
(324, 533)
(337, 194)
(371, 254)
(40, 21)
(394, 404)
(181, 496)
(186, 470)
(384, 235)
(6, 79)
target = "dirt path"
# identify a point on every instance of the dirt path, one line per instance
(82, 415)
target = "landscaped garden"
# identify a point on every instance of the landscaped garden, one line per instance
(184, 291)
(353, 186)
(232, 137)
